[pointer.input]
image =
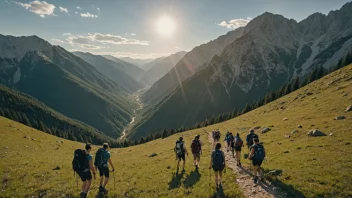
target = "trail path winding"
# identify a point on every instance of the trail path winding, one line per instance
(244, 177)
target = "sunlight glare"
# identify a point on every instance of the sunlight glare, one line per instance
(165, 26)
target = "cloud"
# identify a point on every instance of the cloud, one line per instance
(40, 8)
(76, 13)
(91, 47)
(104, 39)
(78, 8)
(63, 9)
(131, 34)
(66, 34)
(235, 23)
(98, 9)
(88, 15)
(58, 40)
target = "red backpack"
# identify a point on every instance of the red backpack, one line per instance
(195, 146)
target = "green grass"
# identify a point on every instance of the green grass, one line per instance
(28, 165)
(320, 168)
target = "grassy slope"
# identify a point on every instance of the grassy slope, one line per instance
(320, 168)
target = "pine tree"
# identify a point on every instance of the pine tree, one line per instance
(295, 84)
(246, 109)
(2, 113)
(288, 89)
(312, 76)
(25, 120)
(320, 73)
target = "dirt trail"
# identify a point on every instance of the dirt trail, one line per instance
(244, 177)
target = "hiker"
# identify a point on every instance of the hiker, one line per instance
(257, 155)
(250, 137)
(213, 134)
(180, 151)
(228, 139)
(196, 148)
(217, 136)
(102, 159)
(217, 162)
(82, 164)
(238, 144)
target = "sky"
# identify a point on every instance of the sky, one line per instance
(142, 28)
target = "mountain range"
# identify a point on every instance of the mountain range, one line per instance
(138, 62)
(160, 66)
(65, 83)
(268, 52)
(123, 73)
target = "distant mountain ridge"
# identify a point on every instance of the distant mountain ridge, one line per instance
(161, 66)
(123, 73)
(197, 58)
(64, 82)
(138, 62)
(271, 51)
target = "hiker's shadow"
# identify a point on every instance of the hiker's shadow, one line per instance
(176, 180)
(219, 194)
(192, 179)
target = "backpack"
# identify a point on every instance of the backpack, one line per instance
(231, 138)
(195, 146)
(251, 137)
(239, 142)
(217, 134)
(80, 161)
(99, 158)
(259, 152)
(179, 147)
(218, 160)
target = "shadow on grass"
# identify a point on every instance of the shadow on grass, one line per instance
(192, 179)
(219, 194)
(176, 181)
(286, 189)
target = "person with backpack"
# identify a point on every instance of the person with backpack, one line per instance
(238, 144)
(102, 159)
(229, 137)
(196, 148)
(257, 155)
(180, 151)
(217, 136)
(217, 162)
(82, 164)
(250, 137)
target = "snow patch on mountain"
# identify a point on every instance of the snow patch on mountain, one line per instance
(17, 76)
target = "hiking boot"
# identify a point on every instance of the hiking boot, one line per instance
(105, 191)
(255, 179)
(101, 189)
(217, 188)
(183, 170)
(262, 179)
(240, 163)
(82, 195)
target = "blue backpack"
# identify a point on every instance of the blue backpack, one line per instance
(259, 152)
(100, 160)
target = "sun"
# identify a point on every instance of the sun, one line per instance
(165, 26)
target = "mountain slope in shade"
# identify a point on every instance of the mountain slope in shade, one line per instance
(65, 83)
(29, 111)
(120, 72)
(161, 66)
(272, 51)
(187, 66)
(138, 62)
